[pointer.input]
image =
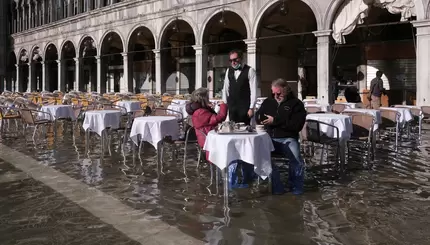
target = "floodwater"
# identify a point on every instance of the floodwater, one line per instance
(383, 203)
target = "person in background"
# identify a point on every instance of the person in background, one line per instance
(240, 89)
(203, 116)
(284, 116)
(376, 91)
(351, 94)
(240, 94)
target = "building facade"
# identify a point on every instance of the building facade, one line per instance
(176, 46)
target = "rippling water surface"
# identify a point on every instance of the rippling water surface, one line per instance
(383, 203)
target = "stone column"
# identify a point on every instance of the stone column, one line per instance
(29, 14)
(178, 77)
(76, 84)
(251, 58)
(18, 19)
(15, 87)
(70, 8)
(125, 85)
(30, 76)
(59, 75)
(157, 70)
(24, 19)
(201, 66)
(53, 11)
(43, 11)
(423, 61)
(99, 74)
(43, 76)
(323, 66)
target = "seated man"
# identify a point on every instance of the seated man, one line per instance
(284, 117)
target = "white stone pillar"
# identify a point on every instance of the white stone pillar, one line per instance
(323, 66)
(252, 59)
(199, 66)
(43, 77)
(30, 76)
(99, 74)
(157, 70)
(15, 87)
(59, 75)
(29, 14)
(178, 77)
(422, 62)
(42, 18)
(124, 86)
(77, 74)
(18, 20)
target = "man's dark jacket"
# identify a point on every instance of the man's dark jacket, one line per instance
(289, 117)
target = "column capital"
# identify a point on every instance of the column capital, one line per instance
(124, 54)
(251, 41)
(58, 62)
(156, 51)
(421, 23)
(97, 58)
(42, 62)
(16, 65)
(197, 47)
(322, 33)
(77, 59)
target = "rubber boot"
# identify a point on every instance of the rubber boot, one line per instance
(277, 185)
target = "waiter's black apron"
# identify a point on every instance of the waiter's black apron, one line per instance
(239, 96)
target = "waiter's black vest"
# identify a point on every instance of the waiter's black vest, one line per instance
(239, 92)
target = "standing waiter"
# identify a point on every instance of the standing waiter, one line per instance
(240, 87)
(239, 93)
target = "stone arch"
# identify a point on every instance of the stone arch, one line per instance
(100, 43)
(150, 28)
(334, 5)
(46, 48)
(18, 54)
(82, 39)
(239, 12)
(66, 41)
(188, 20)
(310, 3)
(33, 48)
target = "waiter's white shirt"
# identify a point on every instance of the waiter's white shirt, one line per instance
(252, 85)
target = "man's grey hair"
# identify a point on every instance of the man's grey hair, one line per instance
(282, 83)
(201, 96)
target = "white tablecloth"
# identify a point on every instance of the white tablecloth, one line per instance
(348, 105)
(260, 101)
(178, 108)
(153, 129)
(342, 122)
(310, 101)
(405, 114)
(97, 121)
(130, 106)
(254, 149)
(375, 113)
(179, 102)
(323, 107)
(57, 112)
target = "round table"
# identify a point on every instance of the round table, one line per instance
(254, 148)
(153, 129)
(57, 112)
(181, 108)
(179, 101)
(129, 105)
(342, 122)
(97, 121)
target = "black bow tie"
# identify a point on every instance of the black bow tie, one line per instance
(238, 69)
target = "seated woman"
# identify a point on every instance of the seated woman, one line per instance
(205, 119)
(203, 116)
(284, 117)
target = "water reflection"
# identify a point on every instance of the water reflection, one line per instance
(369, 205)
